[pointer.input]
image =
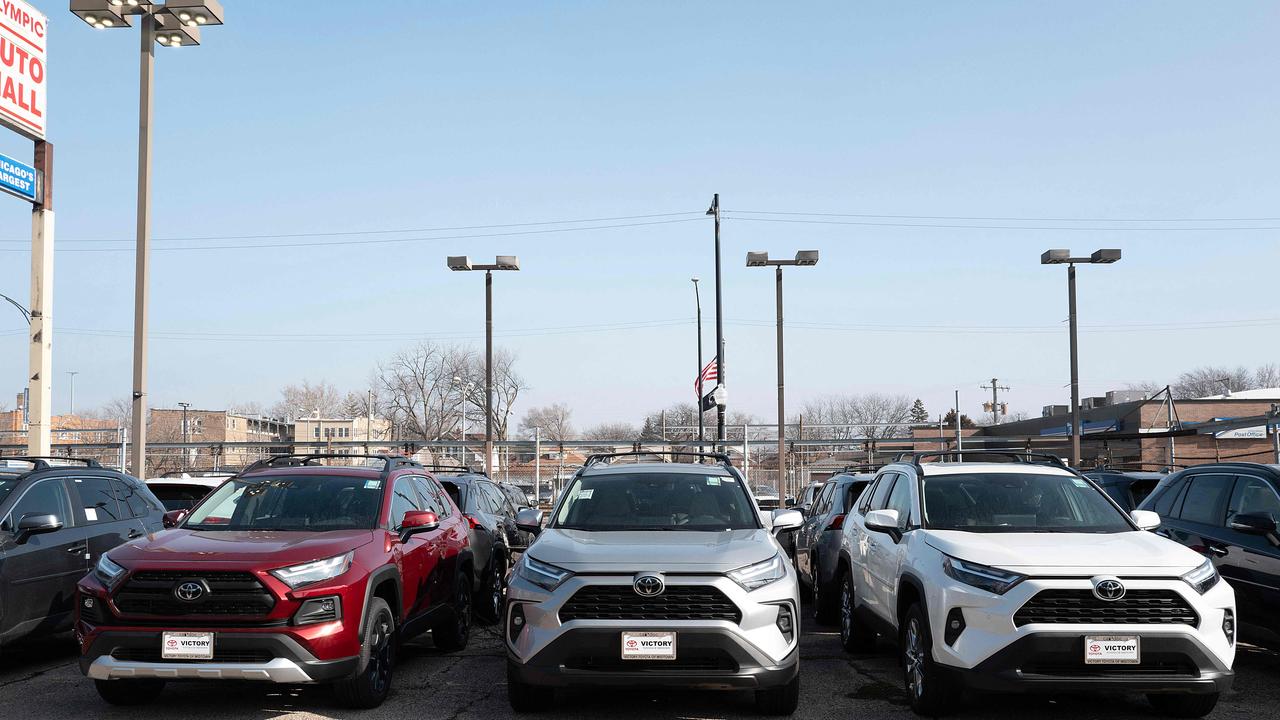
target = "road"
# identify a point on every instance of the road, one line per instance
(40, 680)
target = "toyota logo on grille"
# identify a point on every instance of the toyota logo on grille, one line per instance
(1108, 588)
(188, 591)
(649, 584)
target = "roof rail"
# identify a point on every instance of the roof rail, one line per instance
(389, 462)
(1022, 456)
(599, 458)
(42, 462)
(460, 469)
(1135, 466)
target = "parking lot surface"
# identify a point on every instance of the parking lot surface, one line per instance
(40, 680)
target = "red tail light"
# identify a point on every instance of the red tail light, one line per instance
(472, 522)
(836, 523)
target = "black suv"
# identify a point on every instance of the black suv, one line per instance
(492, 519)
(1229, 511)
(57, 516)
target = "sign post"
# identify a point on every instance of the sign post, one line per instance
(23, 84)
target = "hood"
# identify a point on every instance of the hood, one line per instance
(658, 550)
(257, 548)
(1130, 553)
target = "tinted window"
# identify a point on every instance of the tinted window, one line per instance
(179, 497)
(1164, 504)
(900, 500)
(1253, 495)
(431, 496)
(403, 499)
(874, 500)
(47, 497)
(6, 485)
(1018, 502)
(824, 499)
(656, 501)
(98, 500)
(132, 498)
(851, 494)
(1206, 499)
(497, 501)
(291, 502)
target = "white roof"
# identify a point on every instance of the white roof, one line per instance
(1258, 394)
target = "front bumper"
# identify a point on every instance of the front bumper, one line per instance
(271, 657)
(1055, 663)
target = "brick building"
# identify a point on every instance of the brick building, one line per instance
(229, 440)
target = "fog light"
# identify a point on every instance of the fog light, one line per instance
(318, 610)
(516, 621)
(786, 622)
(88, 603)
(1229, 626)
(955, 626)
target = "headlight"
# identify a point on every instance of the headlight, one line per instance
(760, 574)
(296, 576)
(547, 577)
(983, 577)
(107, 572)
(1203, 578)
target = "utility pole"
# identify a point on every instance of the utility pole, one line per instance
(537, 464)
(702, 432)
(40, 315)
(720, 401)
(368, 428)
(995, 387)
(73, 374)
(959, 440)
(488, 373)
(185, 452)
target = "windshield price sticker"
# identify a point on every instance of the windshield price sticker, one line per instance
(1112, 650)
(713, 481)
(648, 646)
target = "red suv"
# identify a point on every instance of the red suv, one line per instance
(294, 571)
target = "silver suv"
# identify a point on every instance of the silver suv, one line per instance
(655, 574)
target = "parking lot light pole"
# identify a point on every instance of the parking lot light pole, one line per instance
(1105, 256)
(175, 23)
(502, 262)
(804, 258)
(702, 430)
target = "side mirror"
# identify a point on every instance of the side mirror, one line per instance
(35, 524)
(1145, 519)
(885, 521)
(172, 518)
(786, 520)
(418, 521)
(1254, 523)
(791, 502)
(529, 520)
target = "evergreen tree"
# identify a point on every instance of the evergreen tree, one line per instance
(918, 413)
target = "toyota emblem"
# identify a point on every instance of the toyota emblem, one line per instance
(1108, 588)
(649, 584)
(188, 591)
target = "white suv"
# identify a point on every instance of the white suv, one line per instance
(1023, 576)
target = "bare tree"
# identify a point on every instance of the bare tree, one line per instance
(554, 422)
(1267, 376)
(612, 431)
(250, 407)
(302, 400)
(1209, 380)
(873, 415)
(507, 386)
(118, 410)
(1150, 388)
(421, 389)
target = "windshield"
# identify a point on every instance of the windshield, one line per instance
(1021, 503)
(7, 484)
(656, 501)
(293, 502)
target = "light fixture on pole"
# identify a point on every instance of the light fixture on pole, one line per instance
(804, 258)
(463, 263)
(175, 23)
(1105, 256)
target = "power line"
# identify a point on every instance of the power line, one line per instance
(1008, 219)
(998, 227)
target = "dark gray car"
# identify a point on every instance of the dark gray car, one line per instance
(57, 516)
(818, 542)
(492, 519)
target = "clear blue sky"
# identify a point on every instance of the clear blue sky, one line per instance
(436, 115)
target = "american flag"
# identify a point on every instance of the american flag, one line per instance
(708, 374)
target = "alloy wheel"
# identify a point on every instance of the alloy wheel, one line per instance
(846, 609)
(913, 656)
(380, 657)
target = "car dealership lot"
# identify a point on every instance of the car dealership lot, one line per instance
(39, 679)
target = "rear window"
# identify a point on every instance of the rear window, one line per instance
(179, 497)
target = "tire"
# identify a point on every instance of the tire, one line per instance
(855, 636)
(780, 700)
(454, 631)
(931, 691)
(493, 589)
(129, 692)
(526, 698)
(1184, 706)
(372, 681)
(826, 596)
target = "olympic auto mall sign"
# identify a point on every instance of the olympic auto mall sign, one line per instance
(23, 31)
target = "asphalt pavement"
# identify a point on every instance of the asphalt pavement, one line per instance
(40, 679)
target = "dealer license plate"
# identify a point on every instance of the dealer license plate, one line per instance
(186, 646)
(648, 646)
(1112, 650)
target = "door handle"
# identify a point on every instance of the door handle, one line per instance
(77, 549)
(1216, 550)
(134, 534)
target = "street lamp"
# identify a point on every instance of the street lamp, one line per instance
(73, 374)
(1105, 256)
(697, 298)
(804, 258)
(502, 262)
(173, 24)
(26, 314)
(185, 451)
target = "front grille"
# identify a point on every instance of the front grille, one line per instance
(701, 660)
(678, 602)
(1137, 607)
(1149, 667)
(137, 654)
(151, 592)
